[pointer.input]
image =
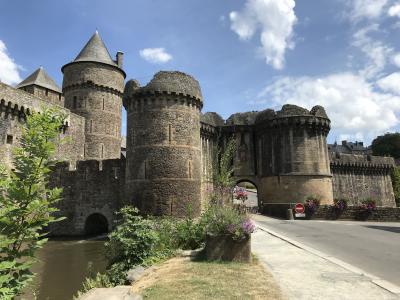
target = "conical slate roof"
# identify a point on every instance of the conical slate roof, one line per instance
(96, 51)
(40, 78)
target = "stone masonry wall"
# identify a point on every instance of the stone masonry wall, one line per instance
(93, 187)
(15, 104)
(358, 177)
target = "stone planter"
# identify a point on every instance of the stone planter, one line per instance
(224, 247)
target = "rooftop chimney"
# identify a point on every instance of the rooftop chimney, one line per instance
(120, 59)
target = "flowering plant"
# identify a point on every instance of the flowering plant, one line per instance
(368, 205)
(340, 205)
(226, 220)
(240, 193)
(311, 205)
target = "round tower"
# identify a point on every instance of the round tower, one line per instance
(293, 155)
(163, 175)
(93, 87)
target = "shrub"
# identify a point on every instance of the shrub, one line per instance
(226, 220)
(368, 205)
(311, 205)
(338, 207)
(132, 243)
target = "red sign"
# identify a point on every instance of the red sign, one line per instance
(299, 208)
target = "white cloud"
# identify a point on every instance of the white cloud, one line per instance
(375, 51)
(396, 59)
(365, 9)
(275, 19)
(394, 11)
(390, 83)
(9, 70)
(155, 55)
(355, 107)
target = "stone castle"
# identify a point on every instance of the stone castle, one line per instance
(166, 166)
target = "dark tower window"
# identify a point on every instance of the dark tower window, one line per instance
(59, 97)
(103, 103)
(102, 151)
(47, 92)
(9, 139)
(75, 102)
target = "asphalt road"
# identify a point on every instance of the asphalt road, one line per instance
(371, 246)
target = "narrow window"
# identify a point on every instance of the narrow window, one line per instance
(91, 126)
(75, 102)
(59, 97)
(84, 150)
(103, 103)
(47, 92)
(133, 137)
(9, 139)
(102, 151)
(190, 168)
(169, 133)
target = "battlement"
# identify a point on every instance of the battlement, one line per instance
(352, 162)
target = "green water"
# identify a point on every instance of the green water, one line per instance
(63, 266)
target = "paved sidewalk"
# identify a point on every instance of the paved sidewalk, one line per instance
(305, 275)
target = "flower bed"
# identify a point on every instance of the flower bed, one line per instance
(228, 234)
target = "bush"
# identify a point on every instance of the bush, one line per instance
(132, 243)
(338, 207)
(311, 205)
(226, 220)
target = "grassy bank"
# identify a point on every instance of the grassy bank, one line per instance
(181, 278)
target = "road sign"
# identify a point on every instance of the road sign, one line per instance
(299, 208)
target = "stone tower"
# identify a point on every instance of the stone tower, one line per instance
(293, 155)
(93, 85)
(40, 84)
(163, 175)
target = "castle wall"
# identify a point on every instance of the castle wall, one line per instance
(208, 140)
(45, 94)
(94, 187)
(358, 178)
(15, 104)
(94, 91)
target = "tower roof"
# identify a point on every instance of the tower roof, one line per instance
(40, 78)
(95, 51)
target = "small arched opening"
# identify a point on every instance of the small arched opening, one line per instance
(96, 224)
(246, 193)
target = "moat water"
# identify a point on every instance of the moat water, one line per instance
(63, 266)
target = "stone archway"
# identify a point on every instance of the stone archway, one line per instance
(96, 224)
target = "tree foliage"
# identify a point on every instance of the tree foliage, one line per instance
(396, 184)
(223, 170)
(26, 202)
(388, 144)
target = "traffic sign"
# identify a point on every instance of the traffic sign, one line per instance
(299, 208)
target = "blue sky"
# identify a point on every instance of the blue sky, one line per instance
(247, 55)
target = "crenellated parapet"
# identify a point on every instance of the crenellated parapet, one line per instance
(291, 116)
(208, 131)
(360, 164)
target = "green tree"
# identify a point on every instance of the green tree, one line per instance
(388, 144)
(223, 170)
(396, 184)
(26, 201)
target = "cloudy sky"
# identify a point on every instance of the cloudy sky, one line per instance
(247, 54)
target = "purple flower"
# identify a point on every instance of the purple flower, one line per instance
(248, 226)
